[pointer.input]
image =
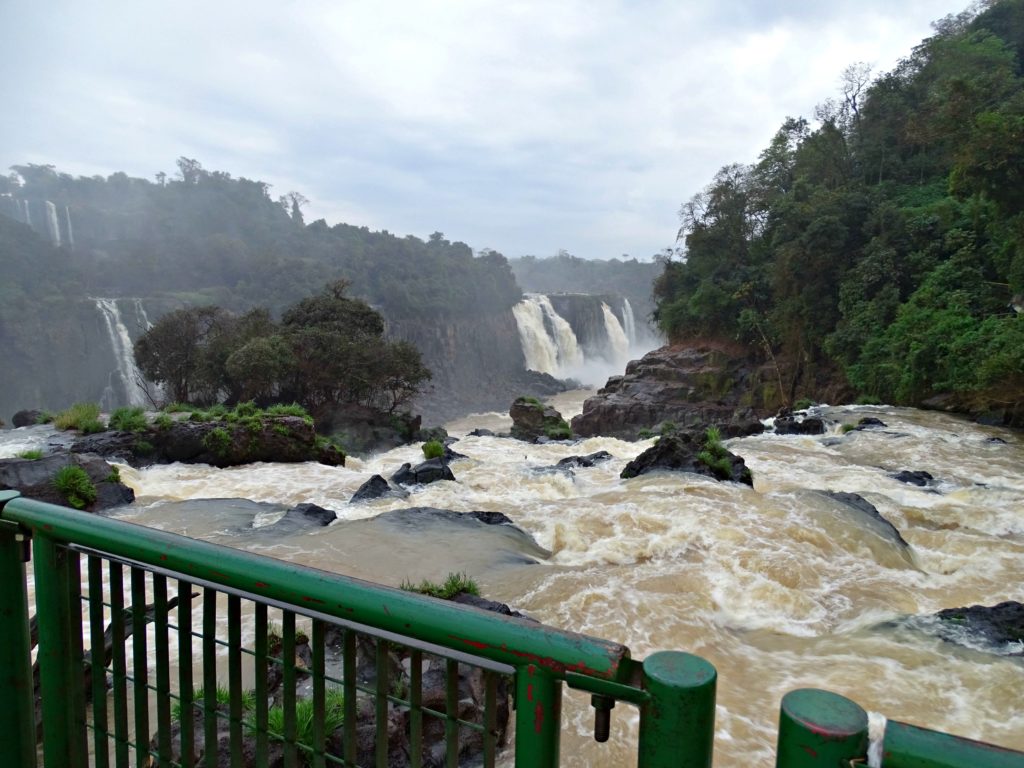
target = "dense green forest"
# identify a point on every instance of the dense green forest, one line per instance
(879, 248)
(205, 237)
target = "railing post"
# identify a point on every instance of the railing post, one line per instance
(17, 704)
(677, 724)
(60, 668)
(538, 717)
(819, 728)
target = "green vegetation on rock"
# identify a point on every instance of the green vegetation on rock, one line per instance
(433, 449)
(81, 416)
(74, 485)
(453, 584)
(129, 419)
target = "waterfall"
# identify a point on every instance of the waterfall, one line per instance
(67, 219)
(52, 224)
(130, 389)
(629, 322)
(28, 214)
(618, 343)
(538, 347)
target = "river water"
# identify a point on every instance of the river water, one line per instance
(778, 586)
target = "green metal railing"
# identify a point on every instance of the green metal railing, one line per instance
(139, 629)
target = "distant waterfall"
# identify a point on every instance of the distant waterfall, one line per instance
(618, 342)
(28, 213)
(52, 224)
(628, 322)
(125, 386)
(67, 219)
(549, 344)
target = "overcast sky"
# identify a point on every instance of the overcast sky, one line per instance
(526, 127)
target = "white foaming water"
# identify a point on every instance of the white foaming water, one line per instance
(126, 371)
(52, 225)
(629, 322)
(556, 354)
(617, 338)
(778, 586)
(67, 219)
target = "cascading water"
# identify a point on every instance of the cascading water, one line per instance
(618, 342)
(67, 219)
(28, 213)
(52, 224)
(549, 344)
(775, 585)
(628, 322)
(126, 384)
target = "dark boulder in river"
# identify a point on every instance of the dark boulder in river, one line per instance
(375, 488)
(1001, 626)
(429, 471)
(683, 452)
(532, 420)
(36, 479)
(691, 386)
(913, 477)
(865, 507)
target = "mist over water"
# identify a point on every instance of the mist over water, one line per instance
(778, 586)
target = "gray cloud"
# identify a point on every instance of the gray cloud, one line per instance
(522, 126)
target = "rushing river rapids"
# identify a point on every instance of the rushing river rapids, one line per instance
(779, 586)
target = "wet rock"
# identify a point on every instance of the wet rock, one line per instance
(429, 471)
(870, 422)
(34, 479)
(589, 460)
(681, 452)
(26, 418)
(862, 505)
(692, 386)
(534, 421)
(995, 441)
(465, 598)
(998, 625)
(791, 425)
(913, 477)
(286, 439)
(481, 432)
(375, 488)
(491, 518)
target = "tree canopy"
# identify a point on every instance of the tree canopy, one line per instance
(882, 245)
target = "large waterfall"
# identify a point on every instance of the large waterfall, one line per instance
(577, 336)
(126, 385)
(52, 225)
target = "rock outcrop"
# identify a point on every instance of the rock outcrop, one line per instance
(531, 420)
(684, 452)
(35, 479)
(691, 386)
(219, 443)
(429, 471)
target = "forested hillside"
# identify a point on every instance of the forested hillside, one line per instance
(877, 249)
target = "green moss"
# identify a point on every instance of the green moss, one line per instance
(433, 449)
(163, 422)
(868, 400)
(453, 585)
(114, 476)
(74, 485)
(848, 428)
(45, 417)
(646, 434)
(32, 455)
(143, 448)
(803, 404)
(558, 432)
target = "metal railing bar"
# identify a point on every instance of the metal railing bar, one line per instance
(235, 679)
(185, 662)
(349, 692)
(118, 665)
(490, 718)
(97, 661)
(140, 660)
(451, 725)
(416, 709)
(261, 669)
(319, 695)
(209, 672)
(163, 671)
(395, 637)
(288, 694)
(381, 742)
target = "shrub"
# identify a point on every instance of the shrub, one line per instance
(720, 465)
(868, 400)
(292, 409)
(453, 585)
(218, 441)
(77, 415)
(645, 433)
(177, 408)
(334, 717)
(163, 421)
(223, 700)
(559, 432)
(31, 455)
(114, 476)
(143, 447)
(803, 404)
(91, 427)
(129, 419)
(848, 428)
(75, 486)
(433, 449)
(45, 417)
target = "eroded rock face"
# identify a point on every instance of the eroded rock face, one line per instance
(691, 386)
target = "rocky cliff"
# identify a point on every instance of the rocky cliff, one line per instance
(691, 386)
